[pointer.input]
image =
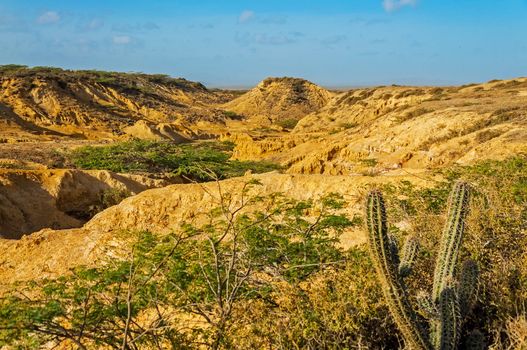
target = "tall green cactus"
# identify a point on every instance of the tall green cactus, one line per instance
(386, 260)
(449, 302)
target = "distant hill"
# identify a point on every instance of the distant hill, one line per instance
(387, 128)
(95, 104)
(276, 100)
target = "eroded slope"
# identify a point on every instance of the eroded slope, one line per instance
(401, 127)
(51, 102)
(165, 209)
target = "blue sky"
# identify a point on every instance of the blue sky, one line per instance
(240, 42)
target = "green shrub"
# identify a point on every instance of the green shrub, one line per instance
(288, 124)
(370, 162)
(200, 161)
(6, 68)
(348, 125)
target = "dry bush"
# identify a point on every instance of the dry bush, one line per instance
(515, 331)
(340, 308)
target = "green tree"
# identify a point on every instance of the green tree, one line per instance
(180, 290)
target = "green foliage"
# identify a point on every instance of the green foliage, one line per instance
(108, 198)
(6, 68)
(498, 173)
(337, 304)
(341, 307)
(201, 161)
(446, 298)
(182, 290)
(288, 124)
(371, 162)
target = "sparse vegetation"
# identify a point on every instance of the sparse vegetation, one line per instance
(509, 84)
(410, 92)
(288, 124)
(109, 198)
(200, 161)
(263, 272)
(371, 162)
(347, 126)
(131, 80)
(302, 290)
(233, 115)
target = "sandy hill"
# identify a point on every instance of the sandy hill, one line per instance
(401, 127)
(47, 103)
(278, 99)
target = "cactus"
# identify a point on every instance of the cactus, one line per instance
(449, 322)
(386, 260)
(426, 306)
(475, 341)
(449, 303)
(451, 238)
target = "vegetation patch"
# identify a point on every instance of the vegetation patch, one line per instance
(233, 115)
(200, 161)
(201, 286)
(288, 124)
(346, 126)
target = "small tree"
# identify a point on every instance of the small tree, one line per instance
(179, 290)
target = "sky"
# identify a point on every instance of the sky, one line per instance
(237, 43)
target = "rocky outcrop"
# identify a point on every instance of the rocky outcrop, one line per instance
(156, 132)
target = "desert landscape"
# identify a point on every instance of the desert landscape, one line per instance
(90, 158)
(149, 211)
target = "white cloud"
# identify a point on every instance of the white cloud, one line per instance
(246, 16)
(122, 40)
(48, 17)
(394, 5)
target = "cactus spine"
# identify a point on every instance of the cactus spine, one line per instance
(449, 302)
